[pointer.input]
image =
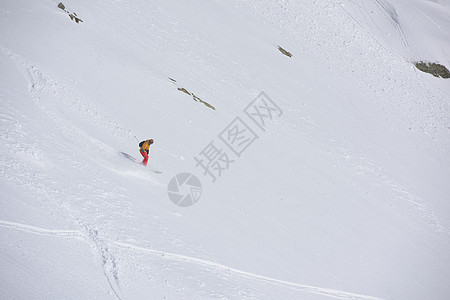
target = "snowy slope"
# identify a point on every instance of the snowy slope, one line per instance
(343, 195)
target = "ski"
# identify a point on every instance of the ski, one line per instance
(128, 156)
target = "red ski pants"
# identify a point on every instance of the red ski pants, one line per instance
(145, 155)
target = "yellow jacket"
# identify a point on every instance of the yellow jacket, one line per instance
(145, 145)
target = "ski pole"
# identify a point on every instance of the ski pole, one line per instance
(136, 139)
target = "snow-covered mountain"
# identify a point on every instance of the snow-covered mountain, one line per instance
(323, 175)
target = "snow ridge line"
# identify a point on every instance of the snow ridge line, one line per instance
(173, 256)
(41, 231)
(307, 288)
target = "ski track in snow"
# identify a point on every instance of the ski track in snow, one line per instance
(109, 264)
(91, 237)
(404, 200)
(41, 231)
(433, 22)
(392, 16)
(57, 102)
(386, 9)
(108, 260)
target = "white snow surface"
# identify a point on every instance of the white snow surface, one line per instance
(345, 195)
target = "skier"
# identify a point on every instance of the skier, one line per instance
(145, 147)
